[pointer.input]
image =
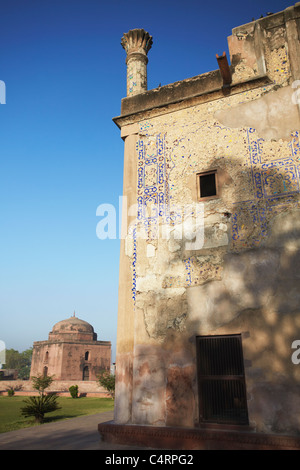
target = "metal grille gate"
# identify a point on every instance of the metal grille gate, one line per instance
(221, 379)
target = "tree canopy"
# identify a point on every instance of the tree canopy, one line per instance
(20, 361)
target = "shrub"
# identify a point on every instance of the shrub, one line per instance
(107, 381)
(38, 406)
(74, 391)
(10, 391)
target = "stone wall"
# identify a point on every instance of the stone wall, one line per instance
(85, 388)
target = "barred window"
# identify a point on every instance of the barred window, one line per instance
(221, 380)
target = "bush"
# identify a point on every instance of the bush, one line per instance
(74, 391)
(107, 381)
(10, 391)
(38, 406)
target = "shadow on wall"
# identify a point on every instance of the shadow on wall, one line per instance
(258, 293)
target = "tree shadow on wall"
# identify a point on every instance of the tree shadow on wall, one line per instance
(258, 292)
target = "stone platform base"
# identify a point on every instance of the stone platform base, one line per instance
(171, 438)
(60, 387)
(34, 393)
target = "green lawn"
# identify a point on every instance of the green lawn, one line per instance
(11, 418)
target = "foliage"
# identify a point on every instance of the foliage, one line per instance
(20, 361)
(10, 391)
(74, 391)
(38, 406)
(41, 382)
(107, 381)
(24, 372)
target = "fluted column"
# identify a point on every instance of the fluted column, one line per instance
(137, 43)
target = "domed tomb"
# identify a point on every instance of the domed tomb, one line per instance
(72, 352)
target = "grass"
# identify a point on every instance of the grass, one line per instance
(11, 418)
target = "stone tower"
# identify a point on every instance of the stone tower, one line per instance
(137, 43)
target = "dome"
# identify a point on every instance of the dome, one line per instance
(72, 327)
(72, 324)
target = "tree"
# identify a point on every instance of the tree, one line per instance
(41, 382)
(38, 406)
(20, 361)
(107, 381)
(24, 371)
(12, 359)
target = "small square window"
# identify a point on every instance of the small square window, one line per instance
(207, 184)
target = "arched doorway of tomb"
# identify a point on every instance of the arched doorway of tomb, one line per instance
(86, 373)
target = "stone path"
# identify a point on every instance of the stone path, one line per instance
(71, 434)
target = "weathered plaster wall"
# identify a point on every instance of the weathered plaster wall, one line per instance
(274, 115)
(125, 338)
(244, 277)
(238, 274)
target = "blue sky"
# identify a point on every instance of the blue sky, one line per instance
(61, 155)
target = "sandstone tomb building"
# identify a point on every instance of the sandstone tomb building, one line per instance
(72, 352)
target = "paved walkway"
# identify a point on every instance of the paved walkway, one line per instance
(71, 434)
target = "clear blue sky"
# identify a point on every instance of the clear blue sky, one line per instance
(61, 154)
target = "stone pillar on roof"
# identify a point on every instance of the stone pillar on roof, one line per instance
(137, 43)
